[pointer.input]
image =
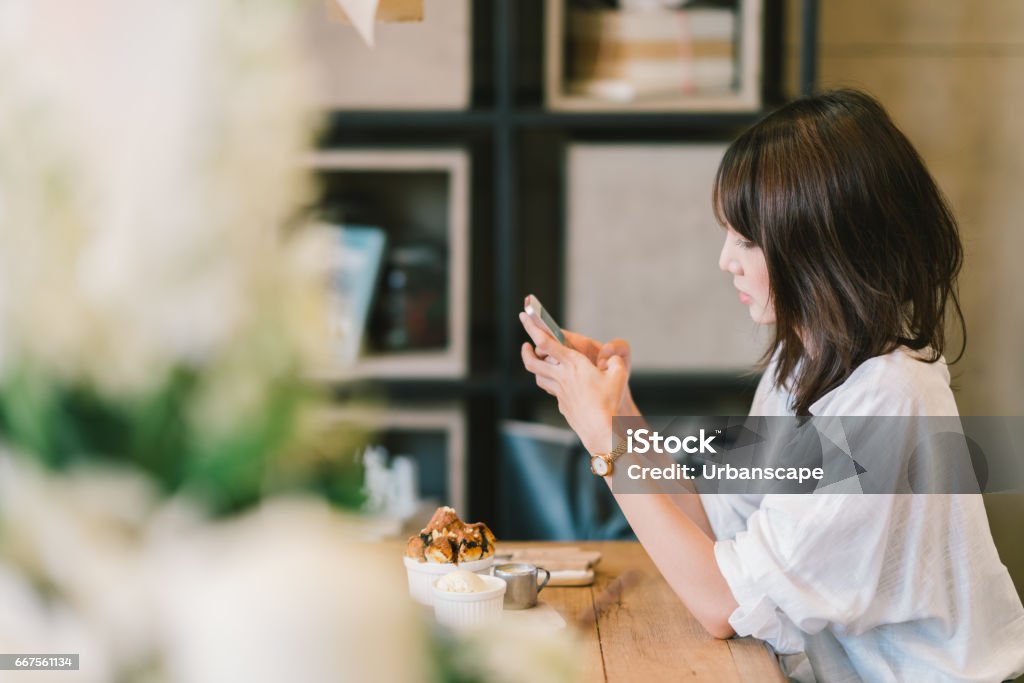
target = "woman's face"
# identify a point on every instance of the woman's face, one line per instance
(745, 261)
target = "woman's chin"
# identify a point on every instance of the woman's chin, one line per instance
(760, 316)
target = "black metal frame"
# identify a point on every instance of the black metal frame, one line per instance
(505, 124)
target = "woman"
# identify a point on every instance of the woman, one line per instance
(835, 234)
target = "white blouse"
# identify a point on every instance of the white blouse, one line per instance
(871, 587)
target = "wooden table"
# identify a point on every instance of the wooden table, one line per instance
(635, 628)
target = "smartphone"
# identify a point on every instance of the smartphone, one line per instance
(535, 310)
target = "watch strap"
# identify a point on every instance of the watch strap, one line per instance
(618, 451)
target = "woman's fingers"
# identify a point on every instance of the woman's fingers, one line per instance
(547, 385)
(538, 366)
(616, 364)
(585, 345)
(616, 347)
(545, 343)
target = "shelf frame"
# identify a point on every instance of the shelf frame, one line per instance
(449, 419)
(493, 129)
(746, 98)
(451, 362)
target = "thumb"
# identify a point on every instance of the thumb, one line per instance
(616, 364)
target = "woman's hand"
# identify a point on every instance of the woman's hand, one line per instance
(588, 395)
(598, 353)
(590, 382)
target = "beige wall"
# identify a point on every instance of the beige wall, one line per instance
(951, 72)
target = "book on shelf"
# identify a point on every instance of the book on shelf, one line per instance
(623, 55)
(356, 263)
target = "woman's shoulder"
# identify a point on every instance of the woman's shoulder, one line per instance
(902, 382)
(770, 399)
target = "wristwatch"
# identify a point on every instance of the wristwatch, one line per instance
(602, 464)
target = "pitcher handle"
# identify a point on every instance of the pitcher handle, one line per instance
(547, 577)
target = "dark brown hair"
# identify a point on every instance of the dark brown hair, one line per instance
(861, 247)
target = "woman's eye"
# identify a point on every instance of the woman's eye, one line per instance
(745, 244)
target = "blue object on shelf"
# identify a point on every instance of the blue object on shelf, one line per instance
(356, 266)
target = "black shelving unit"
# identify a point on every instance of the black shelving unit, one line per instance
(516, 148)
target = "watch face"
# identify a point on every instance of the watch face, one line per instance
(599, 465)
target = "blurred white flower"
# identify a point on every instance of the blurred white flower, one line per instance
(286, 594)
(147, 592)
(150, 157)
(71, 573)
(508, 653)
(30, 623)
(149, 162)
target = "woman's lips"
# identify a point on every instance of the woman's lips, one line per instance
(744, 298)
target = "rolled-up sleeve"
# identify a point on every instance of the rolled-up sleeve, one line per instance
(728, 513)
(804, 562)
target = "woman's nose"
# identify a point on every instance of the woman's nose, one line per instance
(727, 260)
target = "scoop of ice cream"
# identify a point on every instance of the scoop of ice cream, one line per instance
(461, 582)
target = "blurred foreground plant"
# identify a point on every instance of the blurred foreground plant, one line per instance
(151, 310)
(155, 327)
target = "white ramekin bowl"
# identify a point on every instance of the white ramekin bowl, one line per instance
(423, 574)
(465, 610)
